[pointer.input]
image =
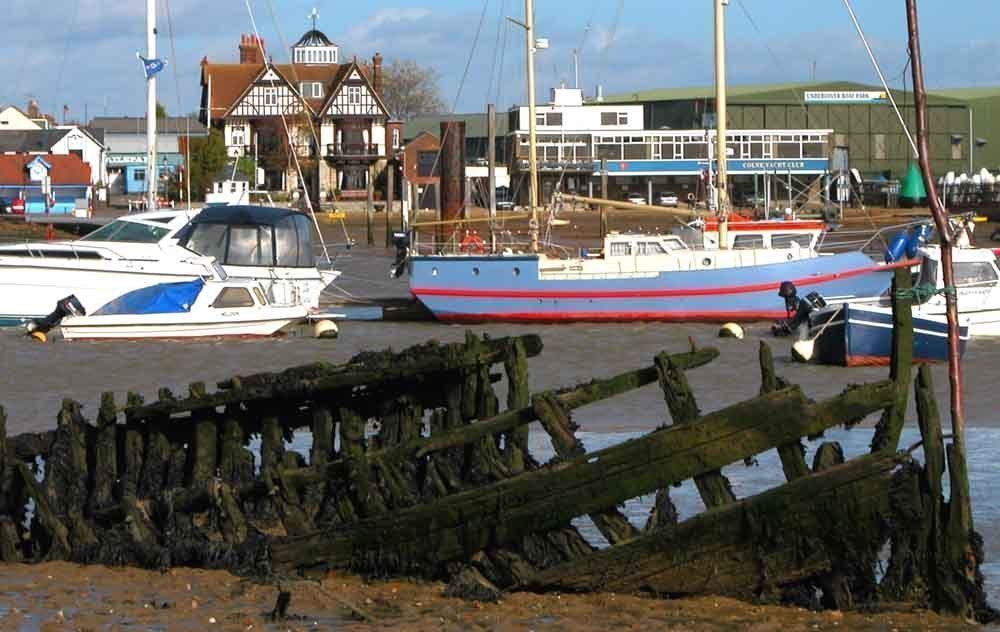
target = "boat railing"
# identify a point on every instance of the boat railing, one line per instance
(863, 240)
(39, 251)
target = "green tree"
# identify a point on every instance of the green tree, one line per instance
(161, 112)
(208, 157)
(409, 90)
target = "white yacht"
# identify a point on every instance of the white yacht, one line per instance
(271, 245)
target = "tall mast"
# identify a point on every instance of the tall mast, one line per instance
(151, 176)
(721, 181)
(529, 27)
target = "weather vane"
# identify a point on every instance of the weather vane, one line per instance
(313, 16)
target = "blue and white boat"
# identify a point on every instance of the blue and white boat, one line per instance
(645, 277)
(861, 335)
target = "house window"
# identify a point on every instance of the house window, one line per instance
(270, 96)
(140, 175)
(395, 138)
(238, 137)
(623, 118)
(549, 119)
(354, 95)
(312, 89)
(609, 119)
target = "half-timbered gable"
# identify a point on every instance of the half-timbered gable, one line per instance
(353, 95)
(269, 95)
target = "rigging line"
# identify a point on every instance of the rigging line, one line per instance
(296, 84)
(284, 123)
(65, 53)
(611, 40)
(503, 54)
(878, 70)
(774, 57)
(461, 84)
(496, 49)
(177, 89)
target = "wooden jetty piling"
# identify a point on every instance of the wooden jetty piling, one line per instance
(414, 469)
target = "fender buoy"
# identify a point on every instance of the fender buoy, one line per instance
(473, 243)
(731, 330)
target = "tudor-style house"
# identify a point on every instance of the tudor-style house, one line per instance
(336, 121)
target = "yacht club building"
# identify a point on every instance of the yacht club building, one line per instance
(576, 140)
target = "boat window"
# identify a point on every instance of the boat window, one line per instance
(125, 231)
(209, 240)
(304, 229)
(650, 248)
(620, 248)
(746, 242)
(62, 254)
(790, 240)
(250, 246)
(233, 297)
(260, 296)
(286, 243)
(974, 272)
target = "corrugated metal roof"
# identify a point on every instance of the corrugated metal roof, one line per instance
(776, 93)
(28, 141)
(137, 125)
(475, 125)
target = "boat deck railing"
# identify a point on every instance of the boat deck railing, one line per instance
(863, 240)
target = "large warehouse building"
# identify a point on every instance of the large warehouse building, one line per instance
(861, 117)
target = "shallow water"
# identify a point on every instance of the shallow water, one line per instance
(37, 377)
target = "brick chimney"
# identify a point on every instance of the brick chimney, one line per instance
(250, 49)
(377, 73)
(33, 111)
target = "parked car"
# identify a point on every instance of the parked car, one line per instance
(5, 206)
(635, 198)
(668, 198)
(505, 199)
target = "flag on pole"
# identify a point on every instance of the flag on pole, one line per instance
(151, 66)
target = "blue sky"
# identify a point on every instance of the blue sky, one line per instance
(81, 53)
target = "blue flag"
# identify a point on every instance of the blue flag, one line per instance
(151, 66)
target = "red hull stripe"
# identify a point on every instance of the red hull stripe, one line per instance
(598, 317)
(738, 289)
(865, 360)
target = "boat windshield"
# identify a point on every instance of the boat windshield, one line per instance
(126, 231)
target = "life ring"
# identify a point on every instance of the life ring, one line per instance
(473, 243)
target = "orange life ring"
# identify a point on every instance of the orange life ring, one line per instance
(472, 242)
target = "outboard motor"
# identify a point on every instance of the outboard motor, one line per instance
(797, 309)
(402, 242)
(69, 306)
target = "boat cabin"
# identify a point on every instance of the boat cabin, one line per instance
(976, 274)
(251, 236)
(746, 234)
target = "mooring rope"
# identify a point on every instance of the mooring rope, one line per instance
(924, 292)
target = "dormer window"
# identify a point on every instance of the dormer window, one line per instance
(311, 89)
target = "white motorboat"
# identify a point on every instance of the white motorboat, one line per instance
(215, 307)
(977, 287)
(270, 245)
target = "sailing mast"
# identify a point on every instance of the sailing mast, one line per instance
(721, 179)
(529, 27)
(151, 175)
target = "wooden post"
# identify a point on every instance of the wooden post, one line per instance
(322, 432)
(158, 452)
(204, 443)
(369, 209)
(713, 487)
(518, 396)
(890, 426)
(792, 455)
(133, 451)
(604, 194)
(105, 455)
(272, 443)
(236, 463)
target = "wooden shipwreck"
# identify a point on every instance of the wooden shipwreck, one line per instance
(413, 469)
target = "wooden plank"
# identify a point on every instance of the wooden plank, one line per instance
(723, 551)
(548, 498)
(713, 487)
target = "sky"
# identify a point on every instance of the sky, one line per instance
(81, 53)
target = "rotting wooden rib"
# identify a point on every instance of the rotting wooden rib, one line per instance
(548, 498)
(890, 426)
(743, 549)
(792, 454)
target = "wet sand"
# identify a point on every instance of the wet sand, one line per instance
(61, 596)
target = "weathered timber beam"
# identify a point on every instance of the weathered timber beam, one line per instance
(290, 387)
(890, 426)
(792, 455)
(26, 446)
(588, 393)
(722, 551)
(550, 497)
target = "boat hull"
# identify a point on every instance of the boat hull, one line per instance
(856, 335)
(167, 327)
(511, 288)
